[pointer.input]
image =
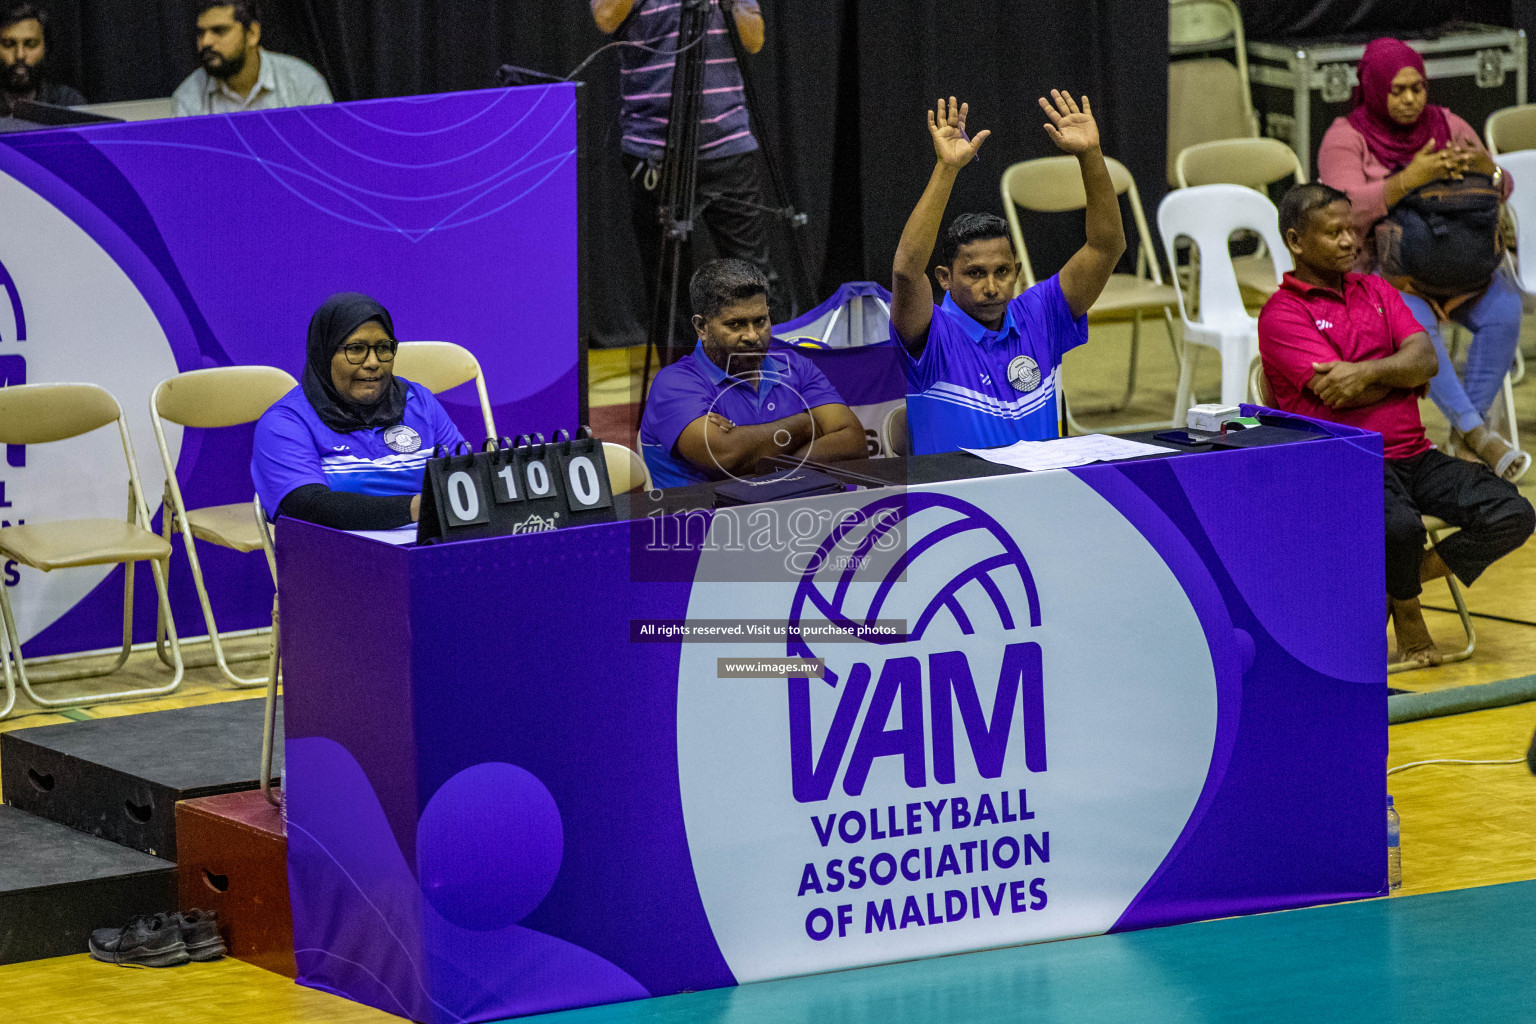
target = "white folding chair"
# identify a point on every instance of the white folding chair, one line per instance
(1208, 215)
(41, 414)
(440, 365)
(209, 399)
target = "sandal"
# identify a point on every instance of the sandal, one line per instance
(1506, 461)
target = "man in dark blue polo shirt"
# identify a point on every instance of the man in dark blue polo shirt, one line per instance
(731, 404)
(982, 370)
(730, 194)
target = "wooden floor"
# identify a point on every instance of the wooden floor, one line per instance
(1463, 827)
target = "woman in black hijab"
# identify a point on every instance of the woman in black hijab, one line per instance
(347, 448)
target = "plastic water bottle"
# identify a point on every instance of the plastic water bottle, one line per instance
(1394, 848)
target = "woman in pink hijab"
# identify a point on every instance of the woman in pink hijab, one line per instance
(1393, 142)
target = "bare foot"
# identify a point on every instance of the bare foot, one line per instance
(1414, 644)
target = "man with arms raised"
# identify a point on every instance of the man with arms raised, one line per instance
(982, 366)
(730, 404)
(1344, 347)
(237, 74)
(24, 58)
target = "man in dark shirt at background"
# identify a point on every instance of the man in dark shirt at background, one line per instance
(729, 192)
(23, 58)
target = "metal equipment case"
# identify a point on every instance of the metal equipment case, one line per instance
(1301, 85)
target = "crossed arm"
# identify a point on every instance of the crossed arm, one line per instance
(827, 433)
(1344, 385)
(610, 14)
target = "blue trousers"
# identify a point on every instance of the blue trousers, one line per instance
(1494, 321)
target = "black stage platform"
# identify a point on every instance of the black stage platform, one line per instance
(57, 885)
(120, 778)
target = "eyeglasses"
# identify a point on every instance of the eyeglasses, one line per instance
(357, 352)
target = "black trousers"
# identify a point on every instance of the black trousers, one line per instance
(1493, 517)
(728, 197)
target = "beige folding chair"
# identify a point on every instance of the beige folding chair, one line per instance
(41, 414)
(440, 365)
(1435, 530)
(1511, 129)
(1208, 97)
(1255, 163)
(274, 662)
(1054, 184)
(222, 396)
(626, 469)
(1252, 162)
(893, 432)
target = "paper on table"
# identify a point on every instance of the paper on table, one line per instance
(1064, 452)
(399, 535)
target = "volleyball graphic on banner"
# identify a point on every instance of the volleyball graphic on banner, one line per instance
(956, 786)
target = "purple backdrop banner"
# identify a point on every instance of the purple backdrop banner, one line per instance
(133, 251)
(1106, 698)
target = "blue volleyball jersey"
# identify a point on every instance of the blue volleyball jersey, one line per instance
(975, 388)
(293, 448)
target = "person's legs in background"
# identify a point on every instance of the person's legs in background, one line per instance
(645, 181)
(1494, 321)
(1405, 557)
(1445, 388)
(731, 195)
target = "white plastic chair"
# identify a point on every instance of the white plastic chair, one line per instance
(1521, 166)
(1208, 215)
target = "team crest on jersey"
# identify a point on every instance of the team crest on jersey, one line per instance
(402, 439)
(1024, 373)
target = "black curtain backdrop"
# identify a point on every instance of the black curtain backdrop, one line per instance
(842, 87)
(1278, 19)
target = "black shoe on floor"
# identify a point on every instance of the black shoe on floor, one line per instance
(200, 934)
(147, 941)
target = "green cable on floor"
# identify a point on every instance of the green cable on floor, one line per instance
(1410, 707)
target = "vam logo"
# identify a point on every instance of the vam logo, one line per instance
(980, 779)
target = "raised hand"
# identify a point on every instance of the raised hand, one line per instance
(946, 123)
(1073, 129)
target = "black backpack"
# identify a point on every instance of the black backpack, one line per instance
(1443, 238)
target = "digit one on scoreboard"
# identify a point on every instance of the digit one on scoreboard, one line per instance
(526, 486)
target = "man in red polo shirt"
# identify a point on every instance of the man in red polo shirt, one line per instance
(1342, 346)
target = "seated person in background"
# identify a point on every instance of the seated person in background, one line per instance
(730, 404)
(1392, 143)
(1342, 346)
(982, 368)
(347, 448)
(237, 74)
(24, 59)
